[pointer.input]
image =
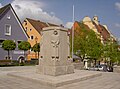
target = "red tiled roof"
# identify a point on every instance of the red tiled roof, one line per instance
(38, 25)
(100, 28)
(77, 27)
(103, 31)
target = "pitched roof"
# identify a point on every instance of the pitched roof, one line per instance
(103, 31)
(38, 25)
(3, 10)
(77, 27)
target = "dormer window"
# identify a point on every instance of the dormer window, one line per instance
(25, 23)
(8, 17)
(7, 29)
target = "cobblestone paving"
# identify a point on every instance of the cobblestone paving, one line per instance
(106, 81)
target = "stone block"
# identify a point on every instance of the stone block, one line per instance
(55, 52)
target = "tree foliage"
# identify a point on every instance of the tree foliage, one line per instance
(111, 52)
(36, 48)
(24, 45)
(8, 45)
(88, 43)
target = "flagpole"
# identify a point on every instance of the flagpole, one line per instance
(73, 34)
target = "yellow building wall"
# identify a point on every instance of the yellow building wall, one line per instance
(87, 21)
(31, 31)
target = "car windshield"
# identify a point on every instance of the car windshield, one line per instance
(98, 66)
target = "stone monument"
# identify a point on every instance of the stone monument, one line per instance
(54, 61)
(55, 52)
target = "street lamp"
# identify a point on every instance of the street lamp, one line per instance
(36, 39)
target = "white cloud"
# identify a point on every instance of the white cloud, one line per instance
(117, 25)
(118, 40)
(117, 4)
(69, 24)
(32, 9)
(0, 5)
(52, 13)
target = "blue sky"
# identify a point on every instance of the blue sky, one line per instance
(60, 11)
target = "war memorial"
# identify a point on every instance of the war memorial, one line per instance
(55, 67)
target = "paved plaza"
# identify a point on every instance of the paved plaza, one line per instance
(106, 81)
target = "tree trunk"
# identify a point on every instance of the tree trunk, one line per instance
(95, 62)
(38, 55)
(98, 62)
(24, 54)
(8, 54)
(110, 63)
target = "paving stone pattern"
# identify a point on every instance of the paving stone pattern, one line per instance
(106, 81)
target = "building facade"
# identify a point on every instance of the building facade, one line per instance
(33, 29)
(11, 29)
(101, 30)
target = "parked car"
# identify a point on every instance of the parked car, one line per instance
(99, 68)
(96, 68)
(110, 69)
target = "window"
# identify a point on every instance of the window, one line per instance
(7, 29)
(26, 29)
(30, 50)
(1, 43)
(26, 23)
(31, 37)
(18, 42)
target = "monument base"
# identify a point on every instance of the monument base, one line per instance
(57, 81)
(55, 70)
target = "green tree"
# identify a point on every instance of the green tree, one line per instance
(118, 57)
(25, 46)
(88, 43)
(93, 46)
(36, 48)
(111, 52)
(8, 45)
